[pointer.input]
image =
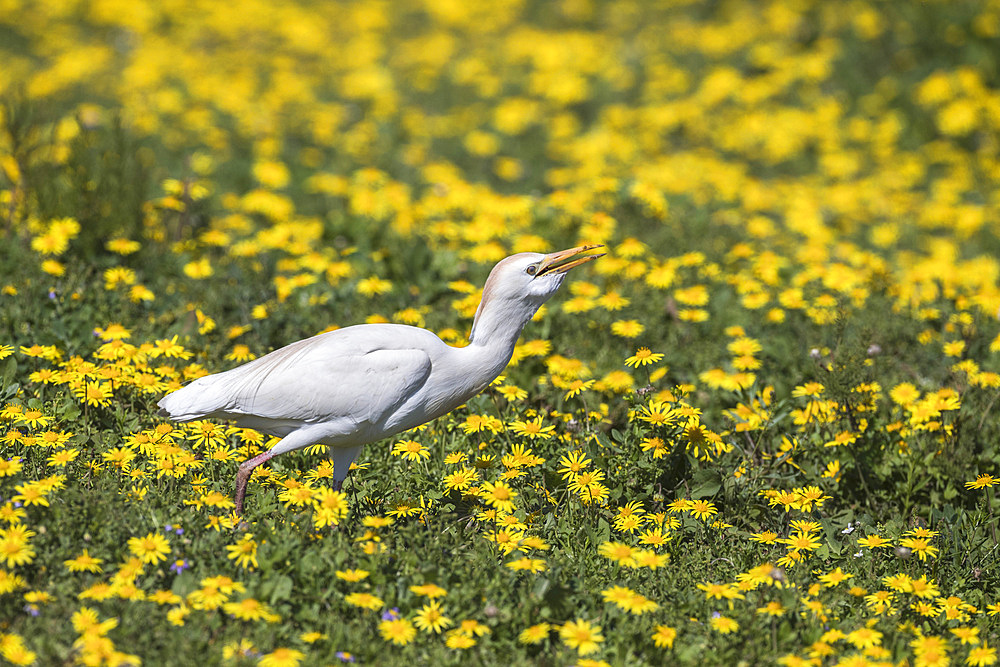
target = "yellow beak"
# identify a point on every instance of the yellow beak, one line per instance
(564, 260)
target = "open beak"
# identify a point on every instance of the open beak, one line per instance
(564, 260)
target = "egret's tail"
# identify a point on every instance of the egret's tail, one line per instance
(194, 401)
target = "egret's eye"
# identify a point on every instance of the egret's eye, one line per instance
(532, 270)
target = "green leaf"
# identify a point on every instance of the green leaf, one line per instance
(705, 483)
(9, 372)
(280, 588)
(541, 587)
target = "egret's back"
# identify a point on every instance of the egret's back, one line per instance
(234, 389)
(354, 377)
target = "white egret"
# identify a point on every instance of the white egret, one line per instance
(353, 386)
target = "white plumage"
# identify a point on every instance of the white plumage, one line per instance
(352, 386)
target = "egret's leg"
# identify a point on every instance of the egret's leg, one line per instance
(342, 458)
(243, 476)
(294, 440)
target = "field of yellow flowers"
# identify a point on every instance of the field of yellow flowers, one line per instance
(762, 430)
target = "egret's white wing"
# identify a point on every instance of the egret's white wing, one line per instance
(341, 375)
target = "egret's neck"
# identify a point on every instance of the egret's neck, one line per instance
(498, 325)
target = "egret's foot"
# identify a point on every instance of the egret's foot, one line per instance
(243, 476)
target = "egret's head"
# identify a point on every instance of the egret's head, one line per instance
(518, 285)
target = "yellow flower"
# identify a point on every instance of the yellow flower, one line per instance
(879, 599)
(981, 482)
(198, 269)
(657, 412)
(478, 423)
(364, 600)
(330, 507)
(61, 458)
(744, 347)
(429, 590)
(498, 495)
(113, 331)
(919, 546)
(982, 656)
(664, 636)
(532, 429)
(772, 608)
(282, 657)
(94, 393)
(461, 479)
(153, 548)
(801, 542)
(240, 352)
(13, 649)
(573, 464)
(250, 609)
(169, 347)
(612, 301)
(696, 295)
(53, 268)
(958, 118)
(236, 650)
(10, 467)
(177, 614)
(472, 627)
(621, 553)
(430, 618)
(764, 537)
(643, 358)
(576, 387)
(399, 631)
(410, 450)
(373, 286)
(526, 564)
(83, 563)
(535, 634)
(581, 635)
(966, 635)
(14, 547)
(140, 293)
(271, 174)
(459, 640)
(656, 446)
(122, 246)
(116, 276)
(627, 328)
(834, 577)
(874, 541)
(162, 597)
(864, 637)
(50, 244)
(720, 591)
(629, 600)
(954, 348)
(512, 393)
(244, 552)
(702, 509)
(724, 625)
(904, 394)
